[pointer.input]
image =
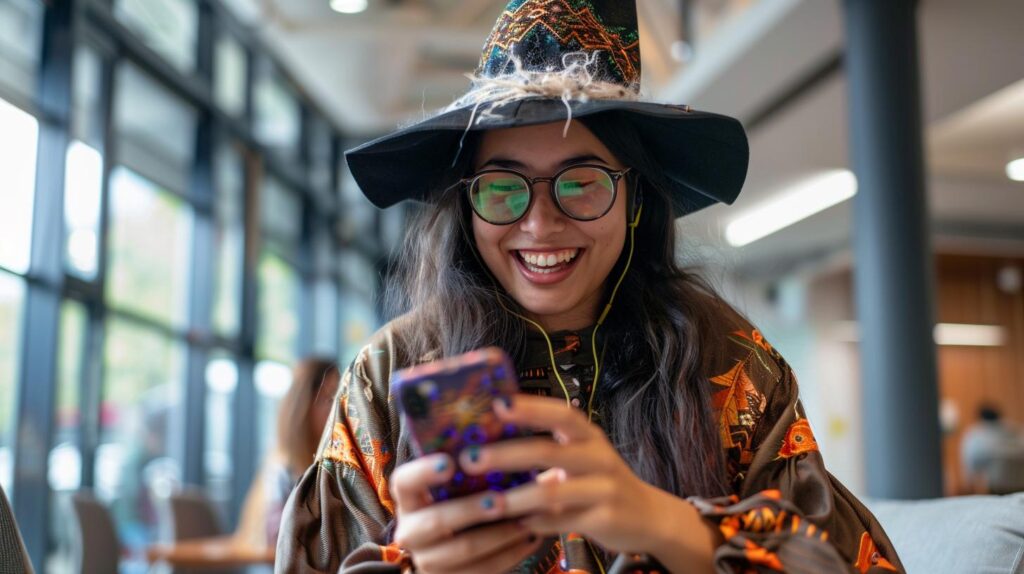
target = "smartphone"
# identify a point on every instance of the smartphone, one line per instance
(447, 405)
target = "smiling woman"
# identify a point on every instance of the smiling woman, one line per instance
(670, 433)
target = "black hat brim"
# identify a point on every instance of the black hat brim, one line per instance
(704, 156)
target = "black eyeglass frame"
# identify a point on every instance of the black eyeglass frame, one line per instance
(615, 175)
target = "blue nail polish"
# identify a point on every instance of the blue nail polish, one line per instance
(442, 465)
(487, 502)
(474, 453)
(507, 402)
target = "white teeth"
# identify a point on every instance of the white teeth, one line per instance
(538, 262)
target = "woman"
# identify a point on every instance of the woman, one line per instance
(301, 417)
(677, 441)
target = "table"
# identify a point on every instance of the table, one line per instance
(217, 552)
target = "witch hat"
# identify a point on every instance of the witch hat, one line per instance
(548, 61)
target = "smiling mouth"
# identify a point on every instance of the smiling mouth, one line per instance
(548, 262)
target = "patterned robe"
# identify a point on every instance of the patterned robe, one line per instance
(785, 513)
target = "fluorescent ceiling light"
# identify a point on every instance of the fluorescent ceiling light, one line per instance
(348, 6)
(970, 335)
(947, 334)
(803, 200)
(1015, 169)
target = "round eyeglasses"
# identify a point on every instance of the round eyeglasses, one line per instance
(582, 192)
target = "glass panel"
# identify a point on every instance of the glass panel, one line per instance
(325, 319)
(18, 140)
(281, 217)
(150, 233)
(21, 24)
(87, 113)
(357, 321)
(155, 130)
(65, 458)
(277, 112)
(278, 334)
(169, 27)
(357, 213)
(272, 380)
(137, 460)
(320, 155)
(221, 381)
(230, 239)
(12, 299)
(65, 461)
(83, 185)
(229, 75)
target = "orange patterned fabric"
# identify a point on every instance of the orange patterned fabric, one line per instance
(799, 439)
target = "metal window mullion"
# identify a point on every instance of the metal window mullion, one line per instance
(201, 285)
(38, 376)
(92, 361)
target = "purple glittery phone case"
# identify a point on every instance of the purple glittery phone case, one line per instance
(447, 405)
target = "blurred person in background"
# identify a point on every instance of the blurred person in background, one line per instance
(301, 417)
(992, 454)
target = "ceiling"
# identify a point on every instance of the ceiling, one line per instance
(403, 59)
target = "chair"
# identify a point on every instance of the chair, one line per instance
(193, 515)
(97, 548)
(13, 556)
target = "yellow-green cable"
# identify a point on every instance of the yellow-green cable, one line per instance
(607, 308)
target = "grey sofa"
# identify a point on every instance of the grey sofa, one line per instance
(959, 535)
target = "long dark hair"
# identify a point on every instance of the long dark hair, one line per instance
(662, 332)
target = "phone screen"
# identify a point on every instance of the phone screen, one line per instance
(447, 405)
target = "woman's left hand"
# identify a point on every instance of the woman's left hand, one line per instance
(587, 487)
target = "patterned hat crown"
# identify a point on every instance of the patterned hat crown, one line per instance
(544, 35)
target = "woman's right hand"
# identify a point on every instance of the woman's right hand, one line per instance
(435, 534)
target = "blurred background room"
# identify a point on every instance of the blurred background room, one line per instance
(178, 231)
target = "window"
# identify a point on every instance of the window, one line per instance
(83, 184)
(221, 382)
(65, 459)
(325, 293)
(277, 112)
(12, 299)
(229, 72)
(272, 380)
(87, 114)
(320, 158)
(18, 142)
(279, 285)
(358, 317)
(168, 27)
(138, 455)
(155, 131)
(278, 335)
(83, 179)
(64, 473)
(229, 237)
(21, 23)
(149, 246)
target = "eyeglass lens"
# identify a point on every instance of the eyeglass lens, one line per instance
(582, 193)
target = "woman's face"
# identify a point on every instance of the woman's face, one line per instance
(565, 295)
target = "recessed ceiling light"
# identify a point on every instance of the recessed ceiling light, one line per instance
(1015, 169)
(348, 6)
(800, 202)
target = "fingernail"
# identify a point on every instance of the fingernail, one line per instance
(504, 402)
(487, 502)
(442, 465)
(474, 453)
